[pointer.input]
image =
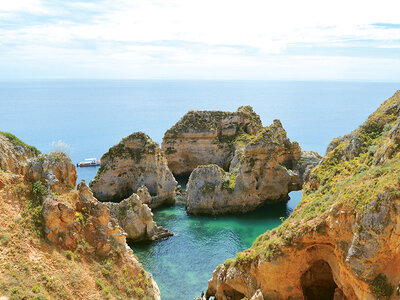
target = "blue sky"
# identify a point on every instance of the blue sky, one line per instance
(208, 39)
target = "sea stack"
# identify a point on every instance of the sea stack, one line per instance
(134, 162)
(205, 137)
(265, 168)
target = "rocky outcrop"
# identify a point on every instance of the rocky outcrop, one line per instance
(265, 168)
(79, 222)
(206, 137)
(83, 223)
(14, 154)
(305, 163)
(136, 219)
(54, 169)
(83, 219)
(342, 240)
(83, 243)
(127, 166)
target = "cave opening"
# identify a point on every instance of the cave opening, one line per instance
(234, 294)
(317, 282)
(182, 180)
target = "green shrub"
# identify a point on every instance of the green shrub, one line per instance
(12, 138)
(5, 238)
(105, 272)
(36, 288)
(380, 287)
(69, 254)
(100, 283)
(39, 191)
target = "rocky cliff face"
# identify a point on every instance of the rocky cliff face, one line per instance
(206, 137)
(136, 219)
(134, 162)
(342, 241)
(85, 255)
(265, 168)
(14, 154)
(55, 169)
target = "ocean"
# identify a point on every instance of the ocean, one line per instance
(87, 117)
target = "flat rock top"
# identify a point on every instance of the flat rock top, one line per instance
(208, 121)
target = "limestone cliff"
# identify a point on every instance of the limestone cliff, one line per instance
(14, 154)
(265, 168)
(205, 137)
(132, 163)
(342, 240)
(136, 219)
(55, 169)
(60, 243)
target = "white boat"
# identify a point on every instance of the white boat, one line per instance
(89, 162)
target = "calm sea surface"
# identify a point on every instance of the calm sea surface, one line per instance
(92, 115)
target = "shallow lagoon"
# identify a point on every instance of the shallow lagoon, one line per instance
(182, 264)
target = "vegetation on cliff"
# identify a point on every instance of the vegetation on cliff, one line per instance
(359, 176)
(264, 169)
(12, 138)
(207, 137)
(209, 121)
(60, 243)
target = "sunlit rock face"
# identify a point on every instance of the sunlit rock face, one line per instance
(206, 137)
(136, 219)
(264, 169)
(134, 162)
(14, 154)
(55, 169)
(342, 240)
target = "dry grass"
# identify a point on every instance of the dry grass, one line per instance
(33, 268)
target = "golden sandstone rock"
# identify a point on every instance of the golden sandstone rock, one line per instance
(265, 168)
(43, 200)
(135, 162)
(205, 137)
(342, 240)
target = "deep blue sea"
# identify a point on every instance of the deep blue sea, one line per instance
(92, 115)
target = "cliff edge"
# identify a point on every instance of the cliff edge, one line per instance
(342, 240)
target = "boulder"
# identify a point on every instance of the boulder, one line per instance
(136, 219)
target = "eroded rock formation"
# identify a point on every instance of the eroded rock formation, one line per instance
(136, 219)
(342, 240)
(205, 137)
(54, 169)
(84, 243)
(14, 154)
(132, 163)
(265, 168)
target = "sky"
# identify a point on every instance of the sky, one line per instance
(207, 39)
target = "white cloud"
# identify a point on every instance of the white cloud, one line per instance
(32, 6)
(183, 32)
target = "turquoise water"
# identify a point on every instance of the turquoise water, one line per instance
(92, 115)
(183, 263)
